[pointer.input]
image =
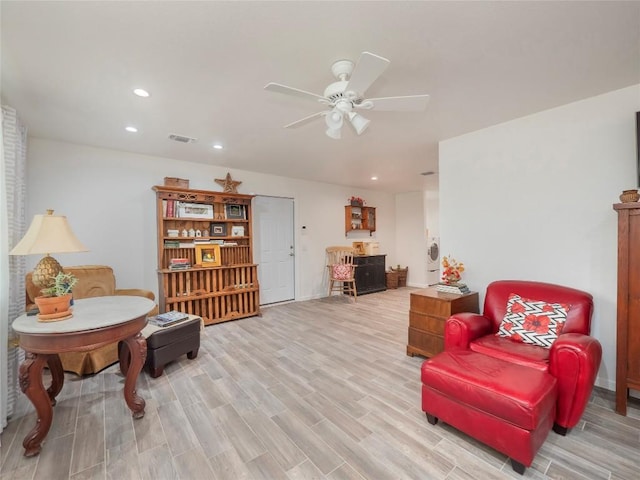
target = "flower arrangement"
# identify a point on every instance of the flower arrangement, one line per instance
(355, 201)
(451, 270)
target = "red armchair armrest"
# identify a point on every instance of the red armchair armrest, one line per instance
(462, 328)
(574, 361)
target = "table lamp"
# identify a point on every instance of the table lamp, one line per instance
(48, 234)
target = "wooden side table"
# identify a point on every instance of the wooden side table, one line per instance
(428, 312)
(96, 322)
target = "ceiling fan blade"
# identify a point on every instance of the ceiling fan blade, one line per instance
(277, 87)
(305, 120)
(366, 71)
(410, 103)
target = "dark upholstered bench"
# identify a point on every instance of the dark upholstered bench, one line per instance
(166, 344)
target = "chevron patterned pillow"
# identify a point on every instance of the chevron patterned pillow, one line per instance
(532, 321)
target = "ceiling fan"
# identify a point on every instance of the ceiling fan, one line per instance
(348, 94)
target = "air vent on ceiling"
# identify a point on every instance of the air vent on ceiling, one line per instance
(182, 138)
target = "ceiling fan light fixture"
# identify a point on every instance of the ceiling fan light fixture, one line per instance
(334, 133)
(349, 93)
(358, 122)
(334, 120)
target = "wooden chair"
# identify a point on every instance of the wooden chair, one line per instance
(342, 270)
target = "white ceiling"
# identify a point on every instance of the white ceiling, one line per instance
(69, 68)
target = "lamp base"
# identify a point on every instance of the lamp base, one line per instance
(45, 272)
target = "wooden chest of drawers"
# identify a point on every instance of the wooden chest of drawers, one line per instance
(428, 311)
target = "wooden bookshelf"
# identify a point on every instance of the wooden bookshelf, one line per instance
(228, 289)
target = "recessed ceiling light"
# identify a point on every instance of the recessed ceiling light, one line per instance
(131, 129)
(140, 92)
(374, 178)
(217, 146)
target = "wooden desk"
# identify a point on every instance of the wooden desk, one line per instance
(428, 311)
(96, 322)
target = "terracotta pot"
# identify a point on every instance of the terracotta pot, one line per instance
(53, 307)
(629, 196)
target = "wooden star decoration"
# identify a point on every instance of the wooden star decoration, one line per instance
(230, 186)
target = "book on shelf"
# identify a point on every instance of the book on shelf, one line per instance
(182, 266)
(179, 261)
(171, 208)
(179, 264)
(171, 244)
(458, 288)
(168, 318)
(230, 244)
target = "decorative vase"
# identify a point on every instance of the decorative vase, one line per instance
(629, 196)
(53, 308)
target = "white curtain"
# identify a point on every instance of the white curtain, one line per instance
(12, 269)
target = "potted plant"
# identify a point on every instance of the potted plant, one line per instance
(55, 300)
(356, 201)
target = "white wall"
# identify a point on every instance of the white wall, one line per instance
(411, 241)
(107, 197)
(532, 199)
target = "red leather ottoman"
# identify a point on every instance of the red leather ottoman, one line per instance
(507, 406)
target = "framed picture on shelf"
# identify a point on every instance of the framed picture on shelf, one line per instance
(195, 210)
(218, 230)
(234, 212)
(237, 231)
(208, 255)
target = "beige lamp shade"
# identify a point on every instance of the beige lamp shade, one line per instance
(48, 234)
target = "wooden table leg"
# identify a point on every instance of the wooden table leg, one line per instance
(124, 357)
(137, 346)
(32, 386)
(57, 377)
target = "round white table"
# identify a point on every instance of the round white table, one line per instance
(96, 322)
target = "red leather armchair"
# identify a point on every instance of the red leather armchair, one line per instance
(573, 359)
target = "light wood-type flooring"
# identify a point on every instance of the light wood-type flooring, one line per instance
(321, 389)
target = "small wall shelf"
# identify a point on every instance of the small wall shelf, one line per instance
(357, 218)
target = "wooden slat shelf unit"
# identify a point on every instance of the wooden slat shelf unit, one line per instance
(217, 294)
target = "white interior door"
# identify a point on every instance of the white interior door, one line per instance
(273, 218)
